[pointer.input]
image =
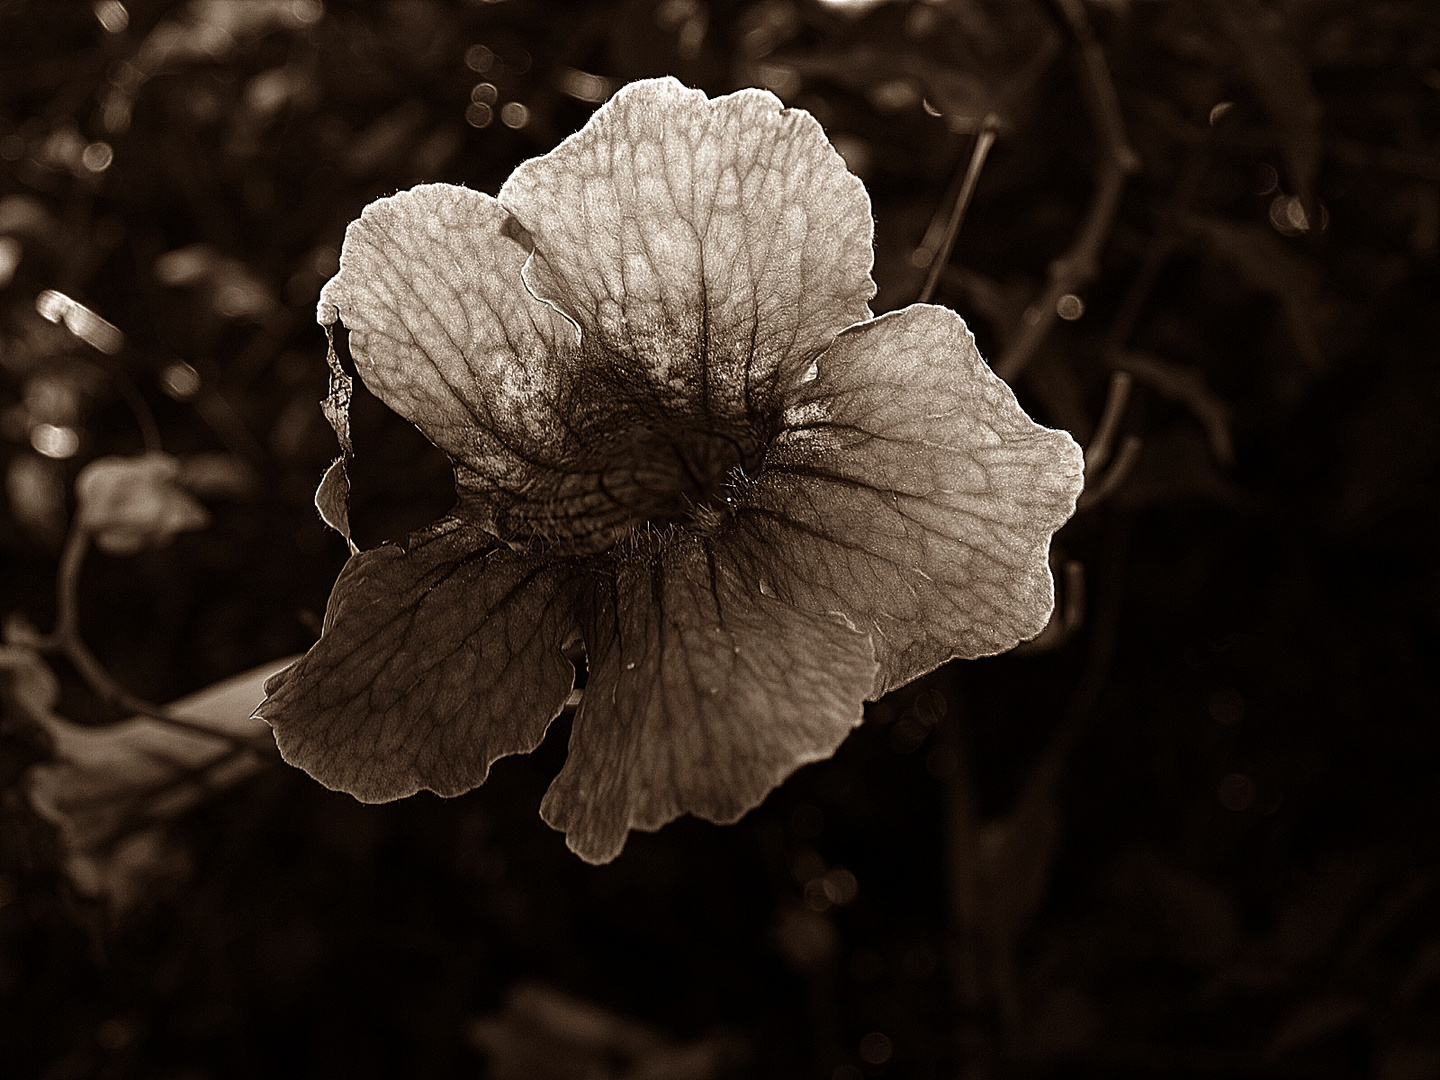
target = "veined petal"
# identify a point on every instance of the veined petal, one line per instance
(443, 331)
(713, 247)
(703, 696)
(434, 662)
(912, 493)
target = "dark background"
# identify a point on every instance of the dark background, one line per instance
(1191, 835)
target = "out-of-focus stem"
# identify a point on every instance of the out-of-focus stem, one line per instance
(1081, 261)
(67, 641)
(984, 140)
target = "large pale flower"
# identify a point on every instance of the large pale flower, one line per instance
(681, 440)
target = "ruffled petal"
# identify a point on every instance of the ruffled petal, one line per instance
(711, 247)
(434, 662)
(703, 695)
(443, 331)
(912, 493)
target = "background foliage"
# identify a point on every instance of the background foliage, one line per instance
(1186, 834)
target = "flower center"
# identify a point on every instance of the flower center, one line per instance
(668, 477)
(647, 476)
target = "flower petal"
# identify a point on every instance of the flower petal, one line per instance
(434, 662)
(703, 696)
(443, 331)
(913, 494)
(717, 246)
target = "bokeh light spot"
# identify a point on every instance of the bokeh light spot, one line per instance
(114, 1034)
(180, 381)
(54, 441)
(306, 12)
(807, 821)
(97, 157)
(10, 252)
(479, 59)
(1237, 792)
(583, 86)
(479, 116)
(876, 1048)
(112, 16)
(1069, 307)
(1227, 706)
(514, 115)
(1267, 180)
(1289, 217)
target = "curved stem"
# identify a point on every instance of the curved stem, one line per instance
(67, 641)
(1081, 261)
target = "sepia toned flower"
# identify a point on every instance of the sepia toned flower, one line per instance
(682, 443)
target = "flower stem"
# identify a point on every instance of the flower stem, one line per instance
(1081, 261)
(67, 641)
(984, 140)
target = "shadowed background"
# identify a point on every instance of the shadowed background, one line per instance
(1185, 833)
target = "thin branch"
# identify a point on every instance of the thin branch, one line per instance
(1125, 459)
(962, 859)
(66, 640)
(1080, 263)
(1102, 443)
(984, 140)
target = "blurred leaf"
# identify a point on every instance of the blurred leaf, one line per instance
(26, 683)
(1315, 1020)
(967, 59)
(107, 787)
(1197, 922)
(130, 504)
(35, 491)
(1268, 264)
(1014, 857)
(217, 476)
(546, 1034)
(1282, 81)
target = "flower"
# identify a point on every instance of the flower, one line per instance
(682, 441)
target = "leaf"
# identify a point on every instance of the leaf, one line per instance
(716, 243)
(912, 493)
(1315, 1020)
(27, 682)
(704, 694)
(105, 783)
(1282, 82)
(543, 1032)
(434, 662)
(130, 504)
(969, 59)
(1270, 265)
